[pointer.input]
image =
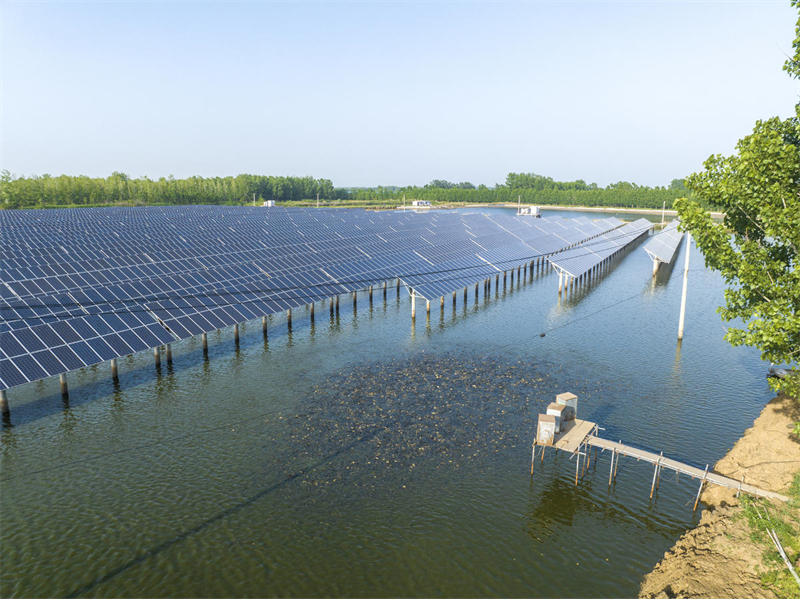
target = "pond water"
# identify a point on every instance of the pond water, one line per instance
(366, 456)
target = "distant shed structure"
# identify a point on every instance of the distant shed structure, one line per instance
(529, 211)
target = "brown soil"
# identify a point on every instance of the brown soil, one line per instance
(717, 559)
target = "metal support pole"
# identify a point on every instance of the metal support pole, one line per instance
(370, 294)
(533, 455)
(288, 321)
(157, 355)
(588, 457)
(169, 353)
(355, 300)
(264, 326)
(114, 371)
(465, 297)
(658, 476)
(384, 291)
(700, 490)
(655, 473)
(3, 402)
(205, 342)
(413, 304)
(454, 299)
(236, 333)
(611, 468)
(685, 284)
(616, 464)
(62, 378)
(337, 304)
(577, 466)
(560, 281)
(428, 307)
(398, 286)
(476, 293)
(655, 266)
(312, 312)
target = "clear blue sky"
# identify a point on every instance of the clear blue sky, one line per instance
(388, 93)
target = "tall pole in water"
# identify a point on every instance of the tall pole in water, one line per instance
(685, 283)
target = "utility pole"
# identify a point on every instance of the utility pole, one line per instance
(685, 283)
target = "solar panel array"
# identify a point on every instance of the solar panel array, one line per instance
(663, 246)
(582, 258)
(82, 286)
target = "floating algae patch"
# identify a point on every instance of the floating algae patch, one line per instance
(394, 422)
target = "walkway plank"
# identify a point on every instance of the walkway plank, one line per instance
(578, 432)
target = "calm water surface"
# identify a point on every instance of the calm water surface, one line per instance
(364, 456)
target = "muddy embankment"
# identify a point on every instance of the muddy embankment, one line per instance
(718, 559)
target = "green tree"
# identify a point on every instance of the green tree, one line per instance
(756, 247)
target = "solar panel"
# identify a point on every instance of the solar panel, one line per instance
(663, 246)
(81, 286)
(582, 258)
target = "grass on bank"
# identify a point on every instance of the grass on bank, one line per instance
(785, 521)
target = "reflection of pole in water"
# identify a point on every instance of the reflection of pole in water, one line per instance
(685, 284)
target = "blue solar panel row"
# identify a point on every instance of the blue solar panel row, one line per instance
(582, 258)
(78, 287)
(664, 245)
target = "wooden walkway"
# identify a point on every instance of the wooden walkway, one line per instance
(580, 434)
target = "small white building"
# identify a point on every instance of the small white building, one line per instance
(420, 203)
(546, 431)
(269, 203)
(570, 401)
(557, 411)
(529, 211)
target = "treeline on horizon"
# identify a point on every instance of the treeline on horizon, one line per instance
(119, 189)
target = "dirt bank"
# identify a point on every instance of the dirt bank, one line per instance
(718, 559)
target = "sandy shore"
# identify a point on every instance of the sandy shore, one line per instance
(718, 559)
